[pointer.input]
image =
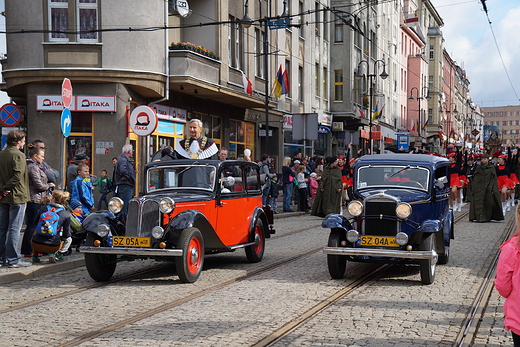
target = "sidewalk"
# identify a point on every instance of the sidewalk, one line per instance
(74, 260)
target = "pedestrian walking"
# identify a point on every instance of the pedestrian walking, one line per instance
(507, 282)
(264, 170)
(38, 189)
(125, 177)
(288, 176)
(329, 191)
(14, 195)
(484, 195)
(82, 189)
(274, 189)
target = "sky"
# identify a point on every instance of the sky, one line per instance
(469, 40)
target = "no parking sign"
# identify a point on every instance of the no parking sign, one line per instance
(10, 115)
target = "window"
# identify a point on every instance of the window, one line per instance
(300, 84)
(84, 12)
(325, 83)
(338, 32)
(302, 21)
(432, 51)
(325, 25)
(241, 136)
(338, 85)
(317, 79)
(235, 44)
(317, 17)
(259, 50)
(288, 69)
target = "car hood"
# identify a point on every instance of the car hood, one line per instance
(404, 195)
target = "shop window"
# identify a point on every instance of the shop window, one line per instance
(81, 122)
(241, 136)
(77, 145)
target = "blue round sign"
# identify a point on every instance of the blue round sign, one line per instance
(66, 122)
(323, 130)
(10, 115)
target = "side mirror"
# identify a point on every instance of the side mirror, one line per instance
(441, 182)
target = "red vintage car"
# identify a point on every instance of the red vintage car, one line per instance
(190, 208)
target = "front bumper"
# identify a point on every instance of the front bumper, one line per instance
(146, 252)
(388, 253)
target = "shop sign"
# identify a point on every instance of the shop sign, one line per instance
(324, 118)
(79, 103)
(170, 113)
(143, 120)
(337, 126)
(376, 135)
(323, 130)
(287, 121)
(261, 132)
(364, 134)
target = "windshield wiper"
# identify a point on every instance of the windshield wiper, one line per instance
(398, 172)
(187, 168)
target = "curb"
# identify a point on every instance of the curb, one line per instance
(8, 275)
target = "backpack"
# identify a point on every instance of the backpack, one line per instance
(49, 221)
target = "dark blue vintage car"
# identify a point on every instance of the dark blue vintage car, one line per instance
(400, 214)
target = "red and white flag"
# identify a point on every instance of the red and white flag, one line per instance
(248, 86)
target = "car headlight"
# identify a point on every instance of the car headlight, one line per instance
(355, 208)
(157, 232)
(403, 210)
(352, 236)
(166, 205)
(102, 230)
(115, 205)
(401, 238)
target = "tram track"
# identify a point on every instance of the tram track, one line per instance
(267, 340)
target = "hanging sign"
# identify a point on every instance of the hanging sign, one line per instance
(323, 130)
(143, 120)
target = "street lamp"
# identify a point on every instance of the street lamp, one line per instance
(370, 76)
(448, 111)
(246, 22)
(419, 98)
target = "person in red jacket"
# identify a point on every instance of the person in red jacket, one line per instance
(507, 282)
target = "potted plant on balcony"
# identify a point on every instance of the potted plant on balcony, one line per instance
(192, 47)
(366, 101)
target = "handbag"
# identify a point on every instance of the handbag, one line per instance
(291, 178)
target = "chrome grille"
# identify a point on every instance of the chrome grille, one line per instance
(142, 216)
(374, 224)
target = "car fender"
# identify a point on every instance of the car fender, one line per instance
(195, 219)
(430, 226)
(259, 213)
(448, 227)
(334, 221)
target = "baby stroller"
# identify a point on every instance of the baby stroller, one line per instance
(77, 233)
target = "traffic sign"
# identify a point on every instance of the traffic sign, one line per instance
(475, 132)
(66, 122)
(10, 115)
(66, 92)
(143, 120)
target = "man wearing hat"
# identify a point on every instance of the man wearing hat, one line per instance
(72, 170)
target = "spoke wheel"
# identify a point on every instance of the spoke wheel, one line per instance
(336, 263)
(255, 253)
(100, 267)
(190, 264)
(428, 266)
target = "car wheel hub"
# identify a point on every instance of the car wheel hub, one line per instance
(194, 255)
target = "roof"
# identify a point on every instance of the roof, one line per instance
(402, 158)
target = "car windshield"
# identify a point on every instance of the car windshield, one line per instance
(392, 176)
(185, 176)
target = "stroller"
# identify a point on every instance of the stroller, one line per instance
(77, 233)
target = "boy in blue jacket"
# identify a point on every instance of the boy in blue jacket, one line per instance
(82, 189)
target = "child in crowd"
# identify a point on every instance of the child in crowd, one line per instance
(77, 210)
(82, 189)
(302, 188)
(313, 186)
(273, 192)
(104, 186)
(56, 245)
(507, 282)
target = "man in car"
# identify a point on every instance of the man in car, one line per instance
(196, 146)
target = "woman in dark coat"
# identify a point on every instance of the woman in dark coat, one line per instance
(485, 197)
(328, 198)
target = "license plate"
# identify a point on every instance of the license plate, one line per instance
(378, 241)
(130, 241)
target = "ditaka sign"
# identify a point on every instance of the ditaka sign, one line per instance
(143, 120)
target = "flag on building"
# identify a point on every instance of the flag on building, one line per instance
(425, 124)
(285, 85)
(359, 113)
(278, 83)
(377, 113)
(412, 125)
(248, 86)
